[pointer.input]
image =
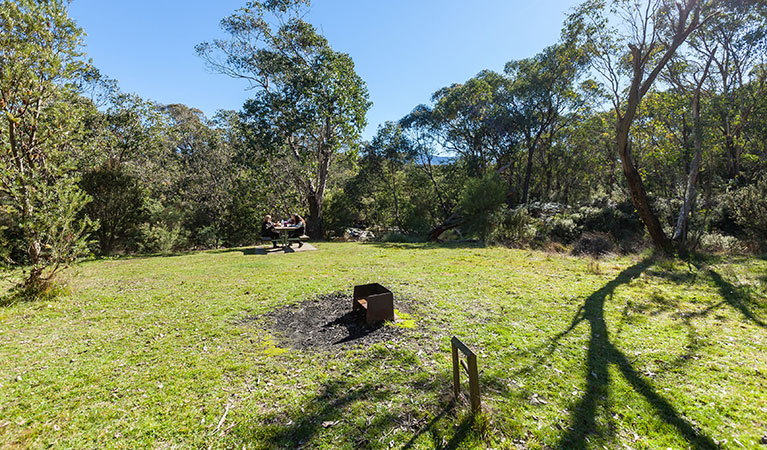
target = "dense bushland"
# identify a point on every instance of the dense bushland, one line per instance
(531, 156)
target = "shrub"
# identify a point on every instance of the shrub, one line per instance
(554, 247)
(749, 208)
(545, 210)
(206, 237)
(563, 228)
(594, 244)
(719, 243)
(338, 213)
(480, 199)
(159, 238)
(514, 227)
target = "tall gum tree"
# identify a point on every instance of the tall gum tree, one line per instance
(309, 104)
(630, 42)
(735, 41)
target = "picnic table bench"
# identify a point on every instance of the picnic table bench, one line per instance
(284, 240)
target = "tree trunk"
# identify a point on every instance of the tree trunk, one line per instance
(680, 235)
(314, 222)
(638, 88)
(316, 195)
(402, 229)
(528, 173)
(455, 220)
(638, 192)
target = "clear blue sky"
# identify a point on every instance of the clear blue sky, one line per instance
(404, 49)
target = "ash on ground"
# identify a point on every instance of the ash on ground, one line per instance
(327, 321)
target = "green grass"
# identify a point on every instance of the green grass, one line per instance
(623, 353)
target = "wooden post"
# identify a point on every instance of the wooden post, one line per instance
(473, 382)
(456, 371)
(471, 370)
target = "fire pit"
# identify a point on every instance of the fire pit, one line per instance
(375, 300)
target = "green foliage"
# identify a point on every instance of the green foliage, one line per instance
(310, 104)
(340, 213)
(719, 243)
(51, 225)
(118, 203)
(618, 220)
(481, 198)
(161, 238)
(749, 205)
(204, 155)
(163, 233)
(514, 227)
(41, 63)
(249, 203)
(563, 228)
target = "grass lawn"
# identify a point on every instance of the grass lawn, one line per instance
(169, 352)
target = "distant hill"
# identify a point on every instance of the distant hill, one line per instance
(442, 160)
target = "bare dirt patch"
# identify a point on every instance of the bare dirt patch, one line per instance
(327, 321)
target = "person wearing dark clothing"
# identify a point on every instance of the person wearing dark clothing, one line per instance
(268, 232)
(300, 228)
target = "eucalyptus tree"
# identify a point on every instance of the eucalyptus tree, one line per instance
(388, 152)
(462, 119)
(309, 103)
(205, 171)
(735, 41)
(584, 165)
(631, 42)
(417, 128)
(135, 132)
(541, 92)
(688, 76)
(41, 67)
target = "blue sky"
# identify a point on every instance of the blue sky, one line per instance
(404, 50)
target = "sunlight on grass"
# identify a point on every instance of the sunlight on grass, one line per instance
(153, 351)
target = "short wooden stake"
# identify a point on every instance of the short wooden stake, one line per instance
(471, 370)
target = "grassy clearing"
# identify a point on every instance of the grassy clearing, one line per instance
(624, 353)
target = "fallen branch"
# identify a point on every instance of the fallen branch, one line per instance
(223, 417)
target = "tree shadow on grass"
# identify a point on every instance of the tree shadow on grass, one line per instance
(357, 412)
(601, 354)
(738, 298)
(624, 277)
(244, 250)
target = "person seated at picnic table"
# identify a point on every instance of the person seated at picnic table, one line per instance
(268, 231)
(299, 225)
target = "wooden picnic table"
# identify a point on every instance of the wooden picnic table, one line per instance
(284, 231)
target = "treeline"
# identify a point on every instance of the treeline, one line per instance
(656, 122)
(654, 112)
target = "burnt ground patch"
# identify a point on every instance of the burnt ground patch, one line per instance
(327, 321)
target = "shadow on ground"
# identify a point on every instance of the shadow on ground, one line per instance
(355, 411)
(425, 245)
(601, 354)
(328, 321)
(738, 298)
